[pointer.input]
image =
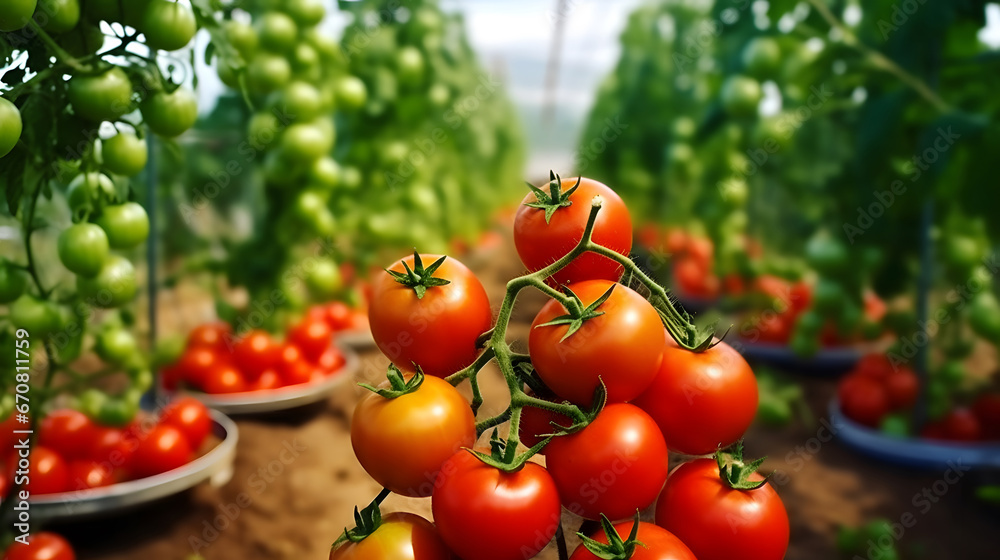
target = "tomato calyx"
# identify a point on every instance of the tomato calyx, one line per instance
(555, 199)
(398, 384)
(617, 548)
(734, 472)
(502, 455)
(367, 521)
(578, 313)
(419, 278)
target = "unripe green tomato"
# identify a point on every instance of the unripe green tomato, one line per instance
(127, 225)
(323, 279)
(351, 93)
(116, 345)
(277, 32)
(952, 373)
(734, 191)
(410, 65)
(118, 411)
(15, 14)
(827, 254)
(305, 58)
(39, 317)
(57, 16)
(13, 281)
(741, 95)
(326, 46)
(170, 114)
(86, 190)
(325, 173)
(84, 40)
(90, 402)
(263, 129)
(984, 316)
(242, 37)
(962, 253)
(305, 143)
(226, 71)
(168, 26)
(684, 127)
(762, 57)
(124, 154)
(267, 72)
(828, 296)
(10, 126)
(104, 97)
(114, 286)
(299, 101)
(142, 379)
(306, 13)
(83, 248)
(439, 95)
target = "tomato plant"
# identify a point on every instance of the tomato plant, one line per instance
(401, 535)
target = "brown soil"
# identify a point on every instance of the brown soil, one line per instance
(273, 510)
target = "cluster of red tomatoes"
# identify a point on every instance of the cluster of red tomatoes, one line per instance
(414, 434)
(41, 546)
(876, 392)
(217, 361)
(75, 453)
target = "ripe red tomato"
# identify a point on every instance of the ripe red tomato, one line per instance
(702, 250)
(267, 381)
(331, 360)
(67, 432)
(875, 365)
(901, 387)
(692, 279)
(775, 328)
(800, 296)
(197, 363)
(536, 423)
(312, 337)
(403, 442)
(657, 544)
(438, 332)
(256, 352)
(701, 400)
(540, 244)
(214, 336)
(163, 449)
(190, 416)
(41, 546)
(677, 241)
(487, 514)
(961, 425)
(614, 466)
(47, 471)
(109, 446)
(987, 410)
(85, 474)
(223, 379)
(338, 315)
(403, 536)
(718, 522)
(863, 400)
(622, 347)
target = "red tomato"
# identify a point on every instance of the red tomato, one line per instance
(214, 336)
(267, 381)
(657, 544)
(901, 387)
(776, 289)
(718, 522)
(403, 536)
(312, 337)
(875, 365)
(961, 425)
(537, 422)
(163, 449)
(171, 377)
(67, 432)
(403, 442)
(196, 364)
(863, 400)
(224, 379)
(48, 472)
(701, 400)
(650, 236)
(733, 284)
(677, 241)
(41, 546)
(338, 315)
(7, 428)
(622, 347)
(875, 308)
(256, 352)
(190, 416)
(438, 332)
(331, 360)
(775, 328)
(691, 279)
(701, 250)
(987, 410)
(487, 514)
(110, 447)
(89, 474)
(295, 373)
(933, 430)
(800, 296)
(614, 466)
(540, 244)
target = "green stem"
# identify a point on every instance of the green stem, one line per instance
(58, 51)
(28, 230)
(493, 422)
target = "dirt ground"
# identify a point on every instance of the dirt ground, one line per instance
(296, 483)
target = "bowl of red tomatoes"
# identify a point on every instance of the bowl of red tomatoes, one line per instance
(255, 372)
(81, 468)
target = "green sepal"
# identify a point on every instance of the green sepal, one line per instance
(734, 472)
(398, 384)
(576, 320)
(498, 448)
(367, 521)
(419, 278)
(617, 548)
(554, 199)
